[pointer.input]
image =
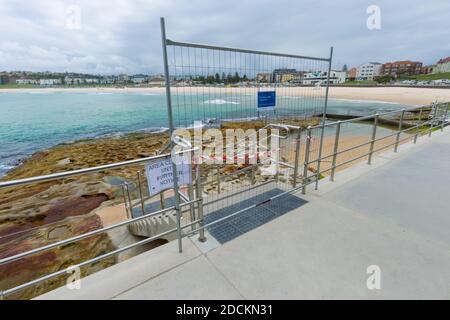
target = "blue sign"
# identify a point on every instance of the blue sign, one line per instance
(266, 99)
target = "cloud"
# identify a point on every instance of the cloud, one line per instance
(124, 35)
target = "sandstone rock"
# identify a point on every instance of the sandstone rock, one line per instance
(144, 154)
(64, 162)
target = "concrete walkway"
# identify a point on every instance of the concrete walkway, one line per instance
(394, 214)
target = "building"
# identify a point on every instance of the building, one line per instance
(108, 80)
(26, 81)
(49, 82)
(320, 77)
(123, 78)
(285, 75)
(91, 81)
(428, 69)
(401, 68)
(368, 71)
(139, 78)
(12, 79)
(157, 81)
(263, 77)
(4, 79)
(442, 66)
(73, 81)
(351, 74)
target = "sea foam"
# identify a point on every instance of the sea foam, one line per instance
(219, 101)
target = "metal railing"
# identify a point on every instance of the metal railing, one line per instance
(130, 220)
(436, 119)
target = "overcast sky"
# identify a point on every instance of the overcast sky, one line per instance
(117, 36)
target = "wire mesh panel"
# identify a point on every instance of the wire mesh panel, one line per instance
(212, 84)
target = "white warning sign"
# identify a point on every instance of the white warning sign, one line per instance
(160, 175)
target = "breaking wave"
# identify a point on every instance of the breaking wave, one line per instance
(219, 101)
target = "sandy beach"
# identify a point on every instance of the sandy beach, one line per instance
(402, 95)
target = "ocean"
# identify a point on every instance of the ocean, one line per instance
(33, 121)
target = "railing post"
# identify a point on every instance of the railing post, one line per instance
(191, 206)
(445, 117)
(127, 187)
(199, 191)
(252, 175)
(297, 156)
(335, 150)
(218, 179)
(400, 127)
(161, 200)
(419, 124)
(374, 137)
(125, 200)
(319, 157)
(140, 192)
(278, 150)
(433, 118)
(305, 165)
(171, 132)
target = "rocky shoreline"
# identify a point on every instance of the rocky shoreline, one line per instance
(35, 215)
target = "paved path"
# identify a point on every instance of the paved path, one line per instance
(394, 214)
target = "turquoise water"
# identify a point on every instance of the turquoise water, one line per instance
(34, 121)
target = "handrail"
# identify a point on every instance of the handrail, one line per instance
(88, 234)
(368, 142)
(362, 118)
(66, 174)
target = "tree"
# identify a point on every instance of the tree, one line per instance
(345, 68)
(201, 79)
(210, 79)
(236, 78)
(217, 78)
(229, 78)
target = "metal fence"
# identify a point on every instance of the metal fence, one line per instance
(213, 84)
(218, 87)
(303, 147)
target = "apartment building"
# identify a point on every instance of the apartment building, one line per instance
(401, 68)
(285, 75)
(443, 65)
(352, 73)
(27, 81)
(368, 71)
(336, 77)
(50, 82)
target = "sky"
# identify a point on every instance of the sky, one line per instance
(123, 36)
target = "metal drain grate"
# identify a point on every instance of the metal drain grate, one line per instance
(252, 218)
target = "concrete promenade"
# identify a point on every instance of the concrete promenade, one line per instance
(394, 214)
